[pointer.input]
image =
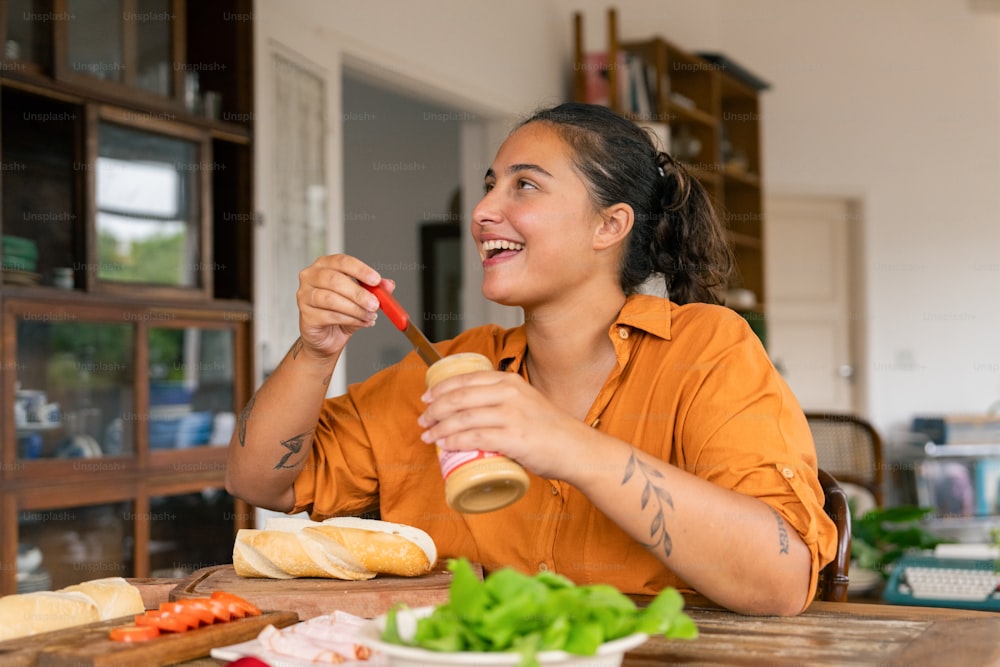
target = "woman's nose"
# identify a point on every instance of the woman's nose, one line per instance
(486, 211)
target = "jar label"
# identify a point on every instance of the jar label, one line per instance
(452, 459)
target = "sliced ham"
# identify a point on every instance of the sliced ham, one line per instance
(328, 640)
(300, 648)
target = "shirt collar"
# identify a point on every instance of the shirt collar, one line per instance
(641, 311)
(647, 313)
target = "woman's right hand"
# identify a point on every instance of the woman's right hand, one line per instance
(332, 305)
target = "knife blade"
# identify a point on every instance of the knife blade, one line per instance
(401, 320)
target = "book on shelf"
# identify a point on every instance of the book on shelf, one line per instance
(596, 88)
(636, 92)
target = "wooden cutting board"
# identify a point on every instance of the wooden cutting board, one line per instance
(315, 597)
(89, 646)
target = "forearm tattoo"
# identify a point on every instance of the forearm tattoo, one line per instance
(297, 348)
(294, 446)
(244, 418)
(652, 492)
(782, 532)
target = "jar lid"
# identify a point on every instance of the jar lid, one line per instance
(456, 364)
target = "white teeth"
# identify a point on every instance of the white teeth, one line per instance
(502, 245)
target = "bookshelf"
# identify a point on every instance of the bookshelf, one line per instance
(705, 109)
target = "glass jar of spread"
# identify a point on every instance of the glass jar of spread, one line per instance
(475, 481)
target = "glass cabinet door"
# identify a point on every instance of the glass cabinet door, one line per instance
(190, 531)
(191, 390)
(136, 44)
(28, 38)
(64, 546)
(148, 213)
(154, 33)
(74, 390)
(103, 58)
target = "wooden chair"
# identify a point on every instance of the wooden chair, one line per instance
(849, 448)
(833, 579)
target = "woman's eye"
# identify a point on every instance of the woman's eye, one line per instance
(487, 187)
(523, 184)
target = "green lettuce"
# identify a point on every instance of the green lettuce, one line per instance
(512, 611)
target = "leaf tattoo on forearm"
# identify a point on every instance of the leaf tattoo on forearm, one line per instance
(244, 418)
(658, 528)
(294, 446)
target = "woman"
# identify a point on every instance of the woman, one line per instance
(663, 448)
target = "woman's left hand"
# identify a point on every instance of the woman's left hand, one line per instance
(500, 412)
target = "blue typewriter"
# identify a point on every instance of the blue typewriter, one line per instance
(934, 581)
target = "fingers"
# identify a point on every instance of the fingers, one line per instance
(333, 304)
(329, 293)
(349, 266)
(468, 404)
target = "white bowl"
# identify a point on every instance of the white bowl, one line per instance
(609, 654)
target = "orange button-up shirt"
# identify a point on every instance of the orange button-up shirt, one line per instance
(693, 386)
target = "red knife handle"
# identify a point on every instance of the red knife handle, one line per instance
(390, 306)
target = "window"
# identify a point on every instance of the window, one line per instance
(148, 215)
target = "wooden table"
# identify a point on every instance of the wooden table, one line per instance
(827, 633)
(832, 633)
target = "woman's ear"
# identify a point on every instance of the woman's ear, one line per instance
(617, 223)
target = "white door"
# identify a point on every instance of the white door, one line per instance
(812, 304)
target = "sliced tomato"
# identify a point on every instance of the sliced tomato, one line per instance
(219, 608)
(229, 598)
(235, 609)
(134, 633)
(197, 607)
(167, 621)
(201, 616)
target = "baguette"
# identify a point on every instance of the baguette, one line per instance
(114, 596)
(283, 554)
(344, 548)
(27, 614)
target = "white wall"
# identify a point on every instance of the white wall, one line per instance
(895, 102)
(455, 51)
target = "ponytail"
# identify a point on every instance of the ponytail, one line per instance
(689, 243)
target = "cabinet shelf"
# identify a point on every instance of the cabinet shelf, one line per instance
(38, 84)
(744, 240)
(739, 177)
(676, 112)
(707, 177)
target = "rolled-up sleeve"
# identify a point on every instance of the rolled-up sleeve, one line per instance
(744, 430)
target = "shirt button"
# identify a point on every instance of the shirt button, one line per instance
(788, 473)
(622, 333)
(543, 567)
(555, 491)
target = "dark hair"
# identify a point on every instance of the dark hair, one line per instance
(676, 232)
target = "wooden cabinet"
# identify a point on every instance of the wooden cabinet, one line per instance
(705, 109)
(125, 351)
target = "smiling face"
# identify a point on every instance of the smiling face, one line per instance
(538, 231)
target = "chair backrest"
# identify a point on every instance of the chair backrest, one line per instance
(833, 578)
(849, 448)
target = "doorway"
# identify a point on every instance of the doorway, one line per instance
(815, 305)
(402, 168)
